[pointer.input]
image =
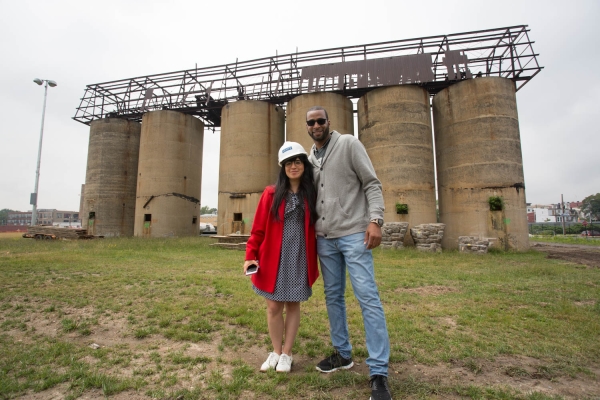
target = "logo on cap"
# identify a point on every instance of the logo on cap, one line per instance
(286, 149)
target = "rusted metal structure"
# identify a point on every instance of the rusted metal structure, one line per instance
(433, 62)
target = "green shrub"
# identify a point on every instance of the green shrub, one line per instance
(401, 208)
(496, 203)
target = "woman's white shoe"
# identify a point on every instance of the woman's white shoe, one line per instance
(285, 363)
(271, 362)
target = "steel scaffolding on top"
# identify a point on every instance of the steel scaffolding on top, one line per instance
(433, 62)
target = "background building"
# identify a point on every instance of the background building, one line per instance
(46, 217)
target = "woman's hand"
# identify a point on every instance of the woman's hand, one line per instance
(248, 263)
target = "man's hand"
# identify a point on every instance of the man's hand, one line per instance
(373, 236)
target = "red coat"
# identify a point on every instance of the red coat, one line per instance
(265, 240)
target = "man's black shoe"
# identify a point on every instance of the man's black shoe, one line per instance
(334, 362)
(379, 388)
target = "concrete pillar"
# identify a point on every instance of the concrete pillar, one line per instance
(394, 124)
(478, 153)
(251, 134)
(169, 175)
(111, 177)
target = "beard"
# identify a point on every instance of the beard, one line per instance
(320, 136)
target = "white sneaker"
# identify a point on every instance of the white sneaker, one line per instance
(271, 362)
(285, 363)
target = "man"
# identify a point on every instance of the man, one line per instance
(350, 208)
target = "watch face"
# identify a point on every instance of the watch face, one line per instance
(380, 222)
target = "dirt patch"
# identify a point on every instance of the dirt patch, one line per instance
(524, 374)
(432, 290)
(582, 255)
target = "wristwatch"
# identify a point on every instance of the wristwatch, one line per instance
(378, 221)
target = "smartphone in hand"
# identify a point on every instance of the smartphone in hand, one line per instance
(252, 269)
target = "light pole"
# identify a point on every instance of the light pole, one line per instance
(33, 199)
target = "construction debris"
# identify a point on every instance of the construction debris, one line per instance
(51, 232)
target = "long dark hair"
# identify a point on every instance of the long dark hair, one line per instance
(305, 191)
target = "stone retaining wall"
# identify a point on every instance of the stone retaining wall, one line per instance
(428, 237)
(392, 235)
(472, 244)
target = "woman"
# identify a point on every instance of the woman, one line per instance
(283, 244)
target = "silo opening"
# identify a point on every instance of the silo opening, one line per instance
(147, 217)
(92, 215)
(194, 220)
(237, 225)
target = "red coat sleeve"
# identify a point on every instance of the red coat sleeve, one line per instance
(259, 225)
(265, 240)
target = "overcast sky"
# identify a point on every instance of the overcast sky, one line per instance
(76, 43)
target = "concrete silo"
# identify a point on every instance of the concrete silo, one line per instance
(111, 176)
(478, 154)
(394, 125)
(339, 110)
(251, 134)
(169, 175)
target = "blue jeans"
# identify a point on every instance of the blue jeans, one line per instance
(350, 252)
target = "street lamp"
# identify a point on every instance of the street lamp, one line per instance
(33, 199)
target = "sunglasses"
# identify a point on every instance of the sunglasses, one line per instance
(320, 121)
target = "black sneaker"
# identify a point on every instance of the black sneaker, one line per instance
(379, 388)
(334, 362)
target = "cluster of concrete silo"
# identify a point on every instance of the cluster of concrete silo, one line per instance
(146, 180)
(478, 154)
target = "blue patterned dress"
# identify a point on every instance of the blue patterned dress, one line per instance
(292, 276)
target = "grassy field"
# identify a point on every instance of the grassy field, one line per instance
(176, 318)
(570, 239)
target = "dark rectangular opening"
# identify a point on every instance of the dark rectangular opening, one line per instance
(194, 220)
(92, 215)
(237, 217)
(147, 217)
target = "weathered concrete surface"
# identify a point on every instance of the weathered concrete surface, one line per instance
(478, 154)
(251, 134)
(111, 177)
(394, 124)
(339, 109)
(169, 175)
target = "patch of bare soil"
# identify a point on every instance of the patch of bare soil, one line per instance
(583, 255)
(432, 290)
(112, 333)
(524, 374)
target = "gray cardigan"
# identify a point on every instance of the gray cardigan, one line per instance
(349, 194)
